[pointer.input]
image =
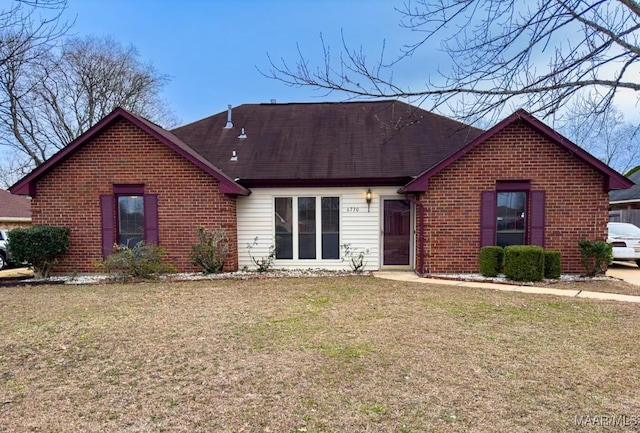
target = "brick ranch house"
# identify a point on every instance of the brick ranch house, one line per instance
(412, 189)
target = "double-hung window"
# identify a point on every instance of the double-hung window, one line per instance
(307, 228)
(511, 221)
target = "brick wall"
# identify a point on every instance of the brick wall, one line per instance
(69, 195)
(576, 204)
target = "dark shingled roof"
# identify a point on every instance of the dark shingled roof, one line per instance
(628, 194)
(13, 206)
(324, 141)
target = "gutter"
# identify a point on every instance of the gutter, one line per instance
(632, 200)
(15, 219)
(420, 206)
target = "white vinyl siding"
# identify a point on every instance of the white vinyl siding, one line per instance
(358, 227)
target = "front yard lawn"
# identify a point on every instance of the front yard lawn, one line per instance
(334, 354)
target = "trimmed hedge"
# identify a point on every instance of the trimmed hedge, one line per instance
(39, 246)
(552, 264)
(490, 260)
(595, 256)
(524, 263)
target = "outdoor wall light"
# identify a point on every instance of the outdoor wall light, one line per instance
(368, 198)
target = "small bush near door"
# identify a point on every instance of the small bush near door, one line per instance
(491, 261)
(524, 263)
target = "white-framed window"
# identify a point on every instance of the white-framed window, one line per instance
(307, 228)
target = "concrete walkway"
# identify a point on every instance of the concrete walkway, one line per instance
(628, 272)
(412, 277)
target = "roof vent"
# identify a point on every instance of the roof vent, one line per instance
(229, 123)
(234, 156)
(242, 134)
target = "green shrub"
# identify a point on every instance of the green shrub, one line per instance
(552, 264)
(595, 256)
(143, 261)
(211, 250)
(524, 263)
(490, 261)
(39, 246)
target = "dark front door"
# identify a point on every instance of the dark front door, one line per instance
(396, 232)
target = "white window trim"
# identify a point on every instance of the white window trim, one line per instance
(295, 241)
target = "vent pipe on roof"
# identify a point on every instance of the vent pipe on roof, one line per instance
(242, 134)
(229, 123)
(234, 156)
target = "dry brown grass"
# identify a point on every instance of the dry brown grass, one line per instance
(351, 354)
(596, 285)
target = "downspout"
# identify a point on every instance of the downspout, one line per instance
(420, 206)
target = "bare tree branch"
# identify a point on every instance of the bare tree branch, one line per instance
(539, 54)
(605, 134)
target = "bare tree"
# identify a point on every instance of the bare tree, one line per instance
(26, 34)
(539, 54)
(14, 166)
(28, 31)
(607, 135)
(90, 77)
(56, 95)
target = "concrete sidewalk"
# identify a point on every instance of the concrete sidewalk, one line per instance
(412, 277)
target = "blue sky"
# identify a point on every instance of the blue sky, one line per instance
(211, 49)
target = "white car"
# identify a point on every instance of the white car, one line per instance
(625, 240)
(3, 249)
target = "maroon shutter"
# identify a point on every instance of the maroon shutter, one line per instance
(151, 219)
(488, 219)
(107, 216)
(537, 218)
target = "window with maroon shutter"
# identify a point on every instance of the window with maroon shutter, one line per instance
(128, 217)
(512, 214)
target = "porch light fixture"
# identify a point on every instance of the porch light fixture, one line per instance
(368, 198)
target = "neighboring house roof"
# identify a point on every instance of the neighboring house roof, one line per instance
(326, 142)
(629, 194)
(13, 207)
(612, 179)
(26, 185)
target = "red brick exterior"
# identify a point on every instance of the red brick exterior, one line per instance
(576, 205)
(69, 195)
